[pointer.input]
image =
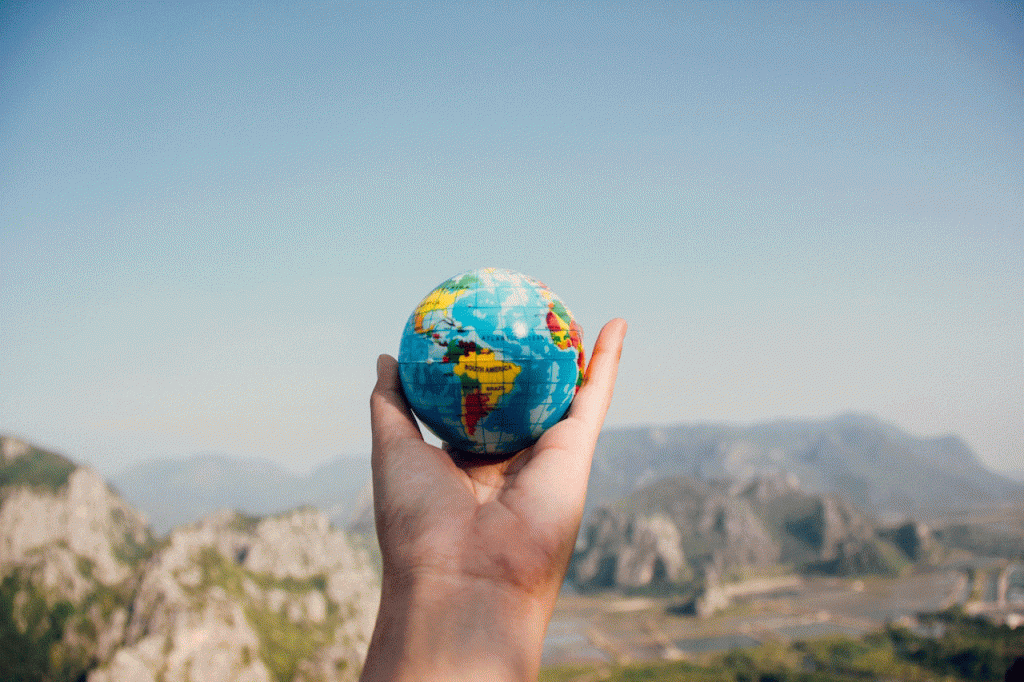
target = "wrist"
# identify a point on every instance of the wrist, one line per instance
(433, 626)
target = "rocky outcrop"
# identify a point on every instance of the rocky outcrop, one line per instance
(695, 535)
(916, 540)
(639, 551)
(86, 591)
(84, 520)
(237, 598)
(70, 549)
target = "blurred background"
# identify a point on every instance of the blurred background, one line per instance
(215, 215)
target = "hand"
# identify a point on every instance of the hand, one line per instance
(474, 552)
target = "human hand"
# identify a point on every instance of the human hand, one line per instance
(475, 551)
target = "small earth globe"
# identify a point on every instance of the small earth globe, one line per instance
(489, 360)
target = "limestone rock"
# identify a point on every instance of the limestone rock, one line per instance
(230, 598)
(916, 540)
(69, 550)
(241, 598)
(212, 642)
(84, 516)
(694, 534)
(633, 552)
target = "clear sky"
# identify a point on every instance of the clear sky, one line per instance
(214, 215)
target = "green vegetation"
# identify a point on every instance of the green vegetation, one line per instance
(660, 672)
(244, 523)
(218, 570)
(30, 636)
(283, 644)
(965, 648)
(970, 648)
(875, 556)
(132, 552)
(38, 469)
(33, 645)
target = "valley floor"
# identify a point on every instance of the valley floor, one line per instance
(608, 628)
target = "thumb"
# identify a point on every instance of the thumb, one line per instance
(390, 416)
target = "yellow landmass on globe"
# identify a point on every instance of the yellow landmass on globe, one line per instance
(441, 298)
(485, 381)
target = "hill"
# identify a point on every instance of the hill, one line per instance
(869, 463)
(1015, 474)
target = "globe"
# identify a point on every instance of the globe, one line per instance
(489, 360)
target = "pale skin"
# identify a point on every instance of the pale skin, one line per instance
(474, 552)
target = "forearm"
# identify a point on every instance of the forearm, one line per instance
(439, 628)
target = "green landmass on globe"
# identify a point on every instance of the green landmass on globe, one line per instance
(490, 359)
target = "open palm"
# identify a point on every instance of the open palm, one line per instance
(511, 523)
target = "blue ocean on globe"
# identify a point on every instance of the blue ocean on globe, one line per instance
(489, 360)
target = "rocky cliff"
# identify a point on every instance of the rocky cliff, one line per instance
(239, 598)
(87, 591)
(70, 552)
(679, 532)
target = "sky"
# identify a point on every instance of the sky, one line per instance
(215, 215)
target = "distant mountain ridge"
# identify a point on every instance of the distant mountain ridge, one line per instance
(1016, 474)
(177, 491)
(872, 464)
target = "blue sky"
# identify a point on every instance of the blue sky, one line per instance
(213, 216)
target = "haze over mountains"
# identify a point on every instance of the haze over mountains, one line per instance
(870, 463)
(178, 491)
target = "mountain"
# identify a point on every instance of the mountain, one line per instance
(870, 463)
(86, 592)
(677, 531)
(178, 491)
